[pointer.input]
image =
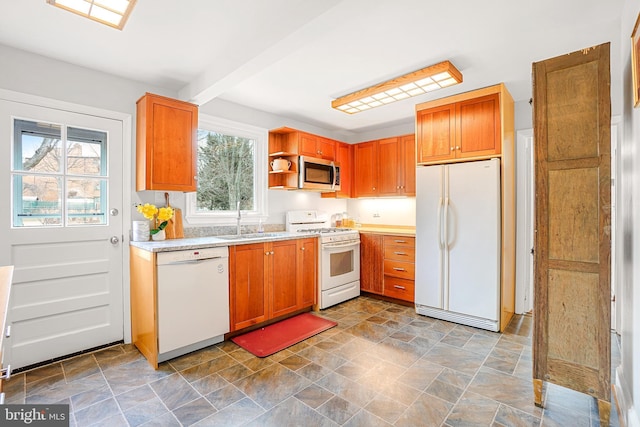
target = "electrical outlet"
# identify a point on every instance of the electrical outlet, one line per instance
(376, 215)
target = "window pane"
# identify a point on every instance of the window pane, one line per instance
(85, 152)
(37, 147)
(85, 201)
(36, 201)
(225, 172)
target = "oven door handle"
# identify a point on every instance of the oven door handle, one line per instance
(341, 245)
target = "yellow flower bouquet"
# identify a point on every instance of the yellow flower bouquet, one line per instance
(159, 216)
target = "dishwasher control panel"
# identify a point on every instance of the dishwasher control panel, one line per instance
(192, 255)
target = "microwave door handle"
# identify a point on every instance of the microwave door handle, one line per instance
(333, 185)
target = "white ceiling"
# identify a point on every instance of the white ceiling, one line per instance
(293, 57)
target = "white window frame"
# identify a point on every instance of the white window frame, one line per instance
(261, 138)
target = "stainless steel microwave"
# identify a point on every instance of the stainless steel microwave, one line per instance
(318, 174)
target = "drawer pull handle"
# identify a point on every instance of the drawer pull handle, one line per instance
(400, 241)
(399, 287)
(398, 269)
(400, 253)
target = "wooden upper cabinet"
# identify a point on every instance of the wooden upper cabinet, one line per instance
(316, 146)
(436, 134)
(166, 146)
(396, 166)
(478, 127)
(365, 158)
(408, 144)
(389, 167)
(462, 127)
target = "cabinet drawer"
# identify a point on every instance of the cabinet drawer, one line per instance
(403, 270)
(400, 253)
(403, 241)
(399, 288)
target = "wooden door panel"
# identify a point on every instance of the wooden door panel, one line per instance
(435, 134)
(283, 277)
(572, 119)
(308, 145)
(249, 300)
(365, 169)
(389, 167)
(573, 215)
(371, 260)
(308, 272)
(478, 130)
(409, 162)
(571, 91)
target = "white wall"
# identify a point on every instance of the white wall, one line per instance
(388, 211)
(628, 207)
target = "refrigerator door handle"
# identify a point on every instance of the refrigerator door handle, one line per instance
(445, 287)
(446, 223)
(440, 238)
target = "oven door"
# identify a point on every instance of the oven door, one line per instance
(339, 263)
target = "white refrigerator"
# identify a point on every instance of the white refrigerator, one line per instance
(458, 243)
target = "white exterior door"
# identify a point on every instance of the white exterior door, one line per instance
(61, 227)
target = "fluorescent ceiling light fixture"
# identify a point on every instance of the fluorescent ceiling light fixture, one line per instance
(415, 83)
(113, 13)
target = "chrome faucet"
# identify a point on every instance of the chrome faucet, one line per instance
(238, 218)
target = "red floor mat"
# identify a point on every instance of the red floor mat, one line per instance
(273, 338)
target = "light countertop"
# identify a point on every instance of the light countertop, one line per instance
(215, 241)
(401, 230)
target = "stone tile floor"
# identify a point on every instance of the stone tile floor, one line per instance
(382, 365)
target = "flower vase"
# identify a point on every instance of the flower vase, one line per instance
(160, 235)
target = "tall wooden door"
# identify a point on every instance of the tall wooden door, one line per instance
(572, 114)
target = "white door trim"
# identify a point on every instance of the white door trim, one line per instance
(524, 221)
(126, 120)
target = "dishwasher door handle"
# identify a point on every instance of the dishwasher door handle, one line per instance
(191, 261)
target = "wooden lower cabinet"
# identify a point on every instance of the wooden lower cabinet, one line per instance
(371, 259)
(399, 267)
(387, 265)
(271, 279)
(249, 301)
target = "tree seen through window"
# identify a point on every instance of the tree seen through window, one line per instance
(225, 172)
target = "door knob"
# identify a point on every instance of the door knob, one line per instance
(114, 240)
(114, 212)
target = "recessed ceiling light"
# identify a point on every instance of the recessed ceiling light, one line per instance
(113, 13)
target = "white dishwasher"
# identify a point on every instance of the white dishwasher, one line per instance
(193, 300)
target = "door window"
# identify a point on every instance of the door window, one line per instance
(58, 175)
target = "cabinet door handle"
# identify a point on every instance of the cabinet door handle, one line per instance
(302, 248)
(457, 147)
(399, 287)
(400, 253)
(398, 269)
(8, 332)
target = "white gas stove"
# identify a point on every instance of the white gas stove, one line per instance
(319, 222)
(339, 256)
